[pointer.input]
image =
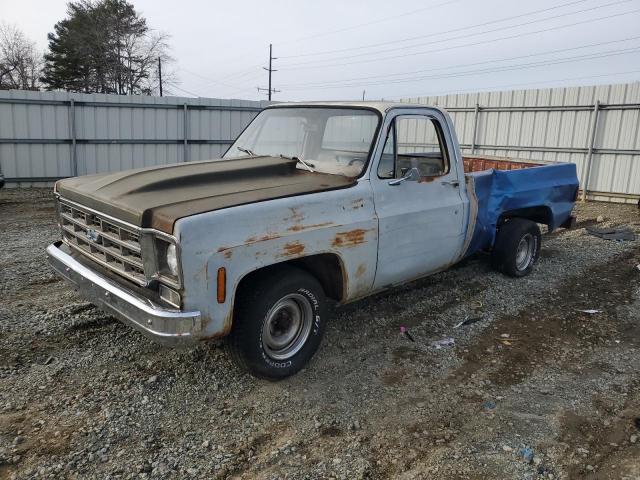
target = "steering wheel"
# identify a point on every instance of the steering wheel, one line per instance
(355, 160)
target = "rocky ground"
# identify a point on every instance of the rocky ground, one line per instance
(531, 388)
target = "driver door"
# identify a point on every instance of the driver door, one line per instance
(417, 200)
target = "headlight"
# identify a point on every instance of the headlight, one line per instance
(172, 260)
(165, 265)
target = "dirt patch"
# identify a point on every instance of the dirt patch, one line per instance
(534, 336)
(604, 440)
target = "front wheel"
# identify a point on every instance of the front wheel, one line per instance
(517, 247)
(279, 322)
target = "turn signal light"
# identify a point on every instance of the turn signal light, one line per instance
(222, 284)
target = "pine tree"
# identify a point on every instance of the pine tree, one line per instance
(103, 46)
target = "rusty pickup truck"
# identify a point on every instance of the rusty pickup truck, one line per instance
(313, 203)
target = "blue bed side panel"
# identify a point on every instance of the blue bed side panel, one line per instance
(499, 191)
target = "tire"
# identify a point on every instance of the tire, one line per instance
(517, 247)
(279, 321)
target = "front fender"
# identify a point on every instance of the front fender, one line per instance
(247, 238)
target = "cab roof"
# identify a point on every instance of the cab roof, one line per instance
(382, 107)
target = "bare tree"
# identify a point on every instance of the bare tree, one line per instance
(20, 61)
(140, 55)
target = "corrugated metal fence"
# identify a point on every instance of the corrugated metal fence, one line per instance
(48, 135)
(597, 128)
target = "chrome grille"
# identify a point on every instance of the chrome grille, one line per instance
(110, 243)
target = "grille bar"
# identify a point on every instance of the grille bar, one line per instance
(130, 245)
(102, 249)
(103, 240)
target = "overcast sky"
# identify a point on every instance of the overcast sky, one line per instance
(334, 49)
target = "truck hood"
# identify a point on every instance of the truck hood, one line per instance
(156, 197)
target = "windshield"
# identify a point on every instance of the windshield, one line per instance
(326, 140)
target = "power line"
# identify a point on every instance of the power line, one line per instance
(472, 44)
(206, 78)
(252, 89)
(506, 68)
(480, 89)
(432, 69)
(210, 80)
(228, 86)
(366, 24)
(530, 22)
(182, 89)
(533, 12)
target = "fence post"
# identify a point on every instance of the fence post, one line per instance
(592, 139)
(72, 127)
(186, 133)
(475, 128)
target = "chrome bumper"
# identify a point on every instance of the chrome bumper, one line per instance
(172, 327)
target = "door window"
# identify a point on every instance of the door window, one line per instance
(414, 141)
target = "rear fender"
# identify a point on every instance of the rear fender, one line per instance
(539, 214)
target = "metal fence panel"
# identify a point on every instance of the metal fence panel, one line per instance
(557, 125)
(49, 135)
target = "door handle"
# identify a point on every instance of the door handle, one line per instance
(453, 183)
(412, 175)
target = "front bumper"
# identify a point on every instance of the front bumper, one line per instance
(172, 327)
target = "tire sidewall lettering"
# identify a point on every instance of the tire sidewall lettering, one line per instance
(314, 332)
(267, 359)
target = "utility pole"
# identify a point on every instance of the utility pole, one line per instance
(269, 90)
(270, 68)
(160, 73)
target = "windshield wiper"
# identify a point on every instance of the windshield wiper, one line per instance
(247, 151)
(298, 159)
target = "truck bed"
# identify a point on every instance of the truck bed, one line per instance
(546, 192)
(479, 163)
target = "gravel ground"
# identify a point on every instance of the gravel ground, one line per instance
(532, 389)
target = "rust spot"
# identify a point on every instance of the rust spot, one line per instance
(362, 269)
(268, 236)
(228, 253)
(226, 327)
(349, 239)
(222, 249)
(359, 203)
(345, 284)
(292, 248)
(296, 215)
(299, 228)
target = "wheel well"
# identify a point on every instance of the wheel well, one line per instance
(327, 268)
(541, 214)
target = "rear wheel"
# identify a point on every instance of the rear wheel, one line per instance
(279, 322)
(517, 247)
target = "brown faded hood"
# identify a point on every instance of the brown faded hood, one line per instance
(158, 196)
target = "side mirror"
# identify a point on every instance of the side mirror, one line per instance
(412, 175)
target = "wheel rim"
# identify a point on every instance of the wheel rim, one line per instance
(287, 326)
(525, 251)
